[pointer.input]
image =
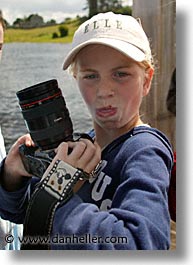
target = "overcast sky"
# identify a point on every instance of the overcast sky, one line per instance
(49, 9)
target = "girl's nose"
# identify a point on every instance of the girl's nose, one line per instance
(105, 89)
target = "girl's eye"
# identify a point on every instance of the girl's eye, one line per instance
(121, 74)
(90, 76)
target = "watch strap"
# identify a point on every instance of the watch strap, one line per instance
(55, 188)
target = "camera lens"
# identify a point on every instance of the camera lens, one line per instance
(46, 115)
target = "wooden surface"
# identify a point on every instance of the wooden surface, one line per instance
(158, 18)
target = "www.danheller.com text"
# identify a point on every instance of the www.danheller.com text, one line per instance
(72, 239)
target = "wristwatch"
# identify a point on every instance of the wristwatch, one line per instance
(54, 189)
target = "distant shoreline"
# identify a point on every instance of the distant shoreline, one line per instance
(40, 35)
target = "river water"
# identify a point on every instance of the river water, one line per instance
(26, 64)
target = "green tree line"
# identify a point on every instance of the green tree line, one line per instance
(93, 6)
(98, 6)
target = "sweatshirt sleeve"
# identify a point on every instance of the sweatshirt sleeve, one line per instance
(13, 204)
(139, 216)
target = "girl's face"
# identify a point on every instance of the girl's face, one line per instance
(112, 86)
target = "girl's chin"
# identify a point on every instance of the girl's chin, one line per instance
(107, 124)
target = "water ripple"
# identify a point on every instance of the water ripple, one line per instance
(26, 64)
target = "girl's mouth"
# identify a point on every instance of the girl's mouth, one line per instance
(106, 111)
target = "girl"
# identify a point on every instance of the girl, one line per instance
(124, 204)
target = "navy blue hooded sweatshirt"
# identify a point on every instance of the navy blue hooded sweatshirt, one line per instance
(124, 208)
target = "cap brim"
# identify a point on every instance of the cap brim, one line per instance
(121, 46)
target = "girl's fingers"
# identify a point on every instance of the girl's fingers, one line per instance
(86, 155)
(77, 149)
(83, 154)
(26, 139)
(92, 156)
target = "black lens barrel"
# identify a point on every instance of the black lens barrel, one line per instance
(38, 92)
(46, 115)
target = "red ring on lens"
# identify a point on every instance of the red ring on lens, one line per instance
(40, 100)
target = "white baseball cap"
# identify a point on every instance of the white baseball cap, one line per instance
(121, 32)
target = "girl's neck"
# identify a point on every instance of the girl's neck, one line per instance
(105, 136)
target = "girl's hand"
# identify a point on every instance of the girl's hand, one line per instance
(84, 155)
(14, 170)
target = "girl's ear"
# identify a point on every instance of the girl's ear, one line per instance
(147, 80)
